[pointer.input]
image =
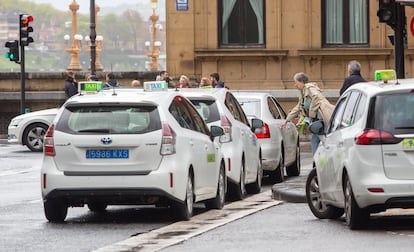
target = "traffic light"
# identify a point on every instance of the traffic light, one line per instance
(25, 29)
(13, 53)
(387, 12)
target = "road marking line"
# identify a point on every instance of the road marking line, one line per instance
(180, 231)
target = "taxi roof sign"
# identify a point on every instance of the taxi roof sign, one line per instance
(85, 87)
(155, 86)
(385, 75)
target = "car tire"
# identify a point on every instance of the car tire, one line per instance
(240, 188)
(55, 210)
(256, 187)
(33, 136)
(314, 200)
(294, 168)
(96, 206)
(278, 175)
(184, 210)
(219, 200)
(355, 217)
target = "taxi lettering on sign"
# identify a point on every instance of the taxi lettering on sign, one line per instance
(155, 86)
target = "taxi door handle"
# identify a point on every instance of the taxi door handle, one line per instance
(206, 147)
(191, 143)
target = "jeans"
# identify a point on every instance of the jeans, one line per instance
(315, 143)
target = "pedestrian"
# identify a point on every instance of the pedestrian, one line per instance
(311, 106)
(111, 81)
(184, 82)
(71, 86)
(164, 75)
(354, 76)
(205, 83)
(136, 83)
(215, 81)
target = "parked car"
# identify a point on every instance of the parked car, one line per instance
(29, 129)
(280, 146)
(365, 161)
(131, 148)
(239, 144)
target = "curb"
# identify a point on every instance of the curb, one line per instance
(292, 189)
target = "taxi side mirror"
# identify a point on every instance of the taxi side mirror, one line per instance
(216, 131)
(256, 123)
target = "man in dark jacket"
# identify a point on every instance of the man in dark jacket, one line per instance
(354, 71)
(111, 81)
(71, 86)
(215, 81)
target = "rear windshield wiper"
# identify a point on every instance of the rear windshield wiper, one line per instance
(95, 130)
(406, 127)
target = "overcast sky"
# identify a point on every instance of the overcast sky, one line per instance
(84, 4)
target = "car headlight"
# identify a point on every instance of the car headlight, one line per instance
(15, 122)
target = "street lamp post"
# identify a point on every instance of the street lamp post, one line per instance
(153, 47)
(98, 43)
(75, 48)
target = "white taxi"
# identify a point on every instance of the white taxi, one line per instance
(131, 148)
(29, 129)
(365, 161)
(239, 144)
(280, 145)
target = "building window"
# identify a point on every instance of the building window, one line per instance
(241, 23)
(345, 23)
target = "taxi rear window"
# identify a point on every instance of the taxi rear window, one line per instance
(207, 109)
(395, 113)
(109, 119)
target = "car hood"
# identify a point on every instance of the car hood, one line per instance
(44, 112)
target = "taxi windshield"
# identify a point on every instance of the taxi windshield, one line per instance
(395, 113)
(109, 119)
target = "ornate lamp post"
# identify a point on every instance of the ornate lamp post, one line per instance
(75, 48)
(153, 47)
(98, 44)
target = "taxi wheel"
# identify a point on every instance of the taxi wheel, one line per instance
(314, 199)
(294, 169)
(278, 175)
(240, 188)
(184, 210)
(33, 136)
(96, 206)
(256, 187)
(55, 210)
(218, 201)
(356, 218)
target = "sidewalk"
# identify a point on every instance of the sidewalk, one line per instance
(292, 189)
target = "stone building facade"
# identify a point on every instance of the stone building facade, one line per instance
(318, 37)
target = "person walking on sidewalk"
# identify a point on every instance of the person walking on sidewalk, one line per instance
(354, 76)
(312, 106)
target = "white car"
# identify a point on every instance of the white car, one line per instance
(131, 148)
(365, 161)
(29, 129)
(239, 144)
(280, 145)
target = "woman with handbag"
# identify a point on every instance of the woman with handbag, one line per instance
(312, 106)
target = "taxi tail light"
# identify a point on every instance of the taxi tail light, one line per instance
(168, 140)
(263, 132)
(226, 125)
(376, 137)
(48, 144)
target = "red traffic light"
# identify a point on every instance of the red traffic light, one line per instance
(26, 19)
(25, 29)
